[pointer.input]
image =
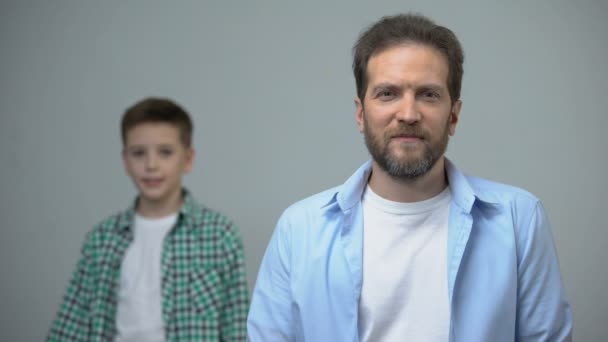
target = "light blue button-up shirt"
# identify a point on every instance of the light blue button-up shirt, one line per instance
(503, 275)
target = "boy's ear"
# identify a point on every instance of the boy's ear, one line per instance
(190, 153)
(123, 154)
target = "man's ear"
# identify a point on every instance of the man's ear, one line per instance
(359, 113)
(454, 116)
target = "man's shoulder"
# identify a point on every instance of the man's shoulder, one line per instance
(500, 193)
(312, 204)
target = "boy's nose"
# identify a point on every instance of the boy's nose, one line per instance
(151, 162)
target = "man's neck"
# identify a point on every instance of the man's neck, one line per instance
(409, 190)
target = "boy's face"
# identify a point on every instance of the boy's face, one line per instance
(155, 158)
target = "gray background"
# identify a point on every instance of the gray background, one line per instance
(271, 92)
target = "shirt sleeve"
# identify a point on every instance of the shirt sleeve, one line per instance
(270, 316)
(543, 312)
(234, 315)
(72, 322)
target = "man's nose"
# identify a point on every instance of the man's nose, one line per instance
(408, 111)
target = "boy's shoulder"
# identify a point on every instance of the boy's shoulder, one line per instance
(109, 227)
(199, 217)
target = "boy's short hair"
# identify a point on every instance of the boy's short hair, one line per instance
(157, 110)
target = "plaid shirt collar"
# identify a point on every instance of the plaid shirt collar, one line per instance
(186, 212)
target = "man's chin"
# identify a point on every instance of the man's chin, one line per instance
(405, 156)
(407, 166)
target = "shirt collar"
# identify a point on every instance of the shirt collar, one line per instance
(463, 194)
(349, 194)
(186, 211)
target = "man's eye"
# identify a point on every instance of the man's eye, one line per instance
(430, 95)
(386, 95)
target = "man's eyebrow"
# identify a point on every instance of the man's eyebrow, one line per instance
(385, 85)
(432, 86)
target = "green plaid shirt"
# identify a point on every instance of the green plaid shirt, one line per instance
(204, 288)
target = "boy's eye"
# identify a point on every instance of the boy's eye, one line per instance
(137, 153)
(166, 152)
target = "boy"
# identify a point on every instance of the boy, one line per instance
(165, 269)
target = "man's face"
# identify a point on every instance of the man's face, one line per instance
(155, 158)
(407, 114)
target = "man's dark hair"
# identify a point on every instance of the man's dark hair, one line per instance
(157, 110)
(391, 31)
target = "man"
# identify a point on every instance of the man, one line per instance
(409, 248)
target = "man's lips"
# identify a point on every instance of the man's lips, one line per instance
(406, 138)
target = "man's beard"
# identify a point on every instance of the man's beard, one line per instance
(405, 167)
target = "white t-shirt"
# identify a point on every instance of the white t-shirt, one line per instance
(405, 290)
(139, 310)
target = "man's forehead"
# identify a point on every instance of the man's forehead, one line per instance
(408, 62)
(410, 45)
